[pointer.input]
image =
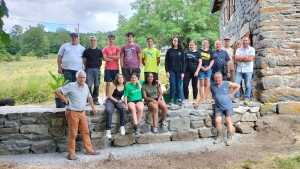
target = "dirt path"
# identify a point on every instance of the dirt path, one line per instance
(278, 135)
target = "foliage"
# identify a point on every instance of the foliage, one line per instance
(59, 80)
(58, 38)
(4, 56)
(31, 53)
(163, 19)
(4, 37)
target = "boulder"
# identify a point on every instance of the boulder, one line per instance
(42, 147)
(208, 122)
(205, 132)
(278, 95)
(172, 113)
(268, 108)
(34, 128)
(10, 124)
(244, 127)
(185, 136)
(14, 116)
(197, 124)
(184, 112)
(236, 117)
(57, 122)
(97, 134)
(179, 124)
(124, 140)
(249, 117)
(153, 138)
(57, 131)
(101, 143)
(9, 130)
(289, 108)
(28, 120)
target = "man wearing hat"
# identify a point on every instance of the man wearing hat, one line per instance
(69, 59)
(230, 52)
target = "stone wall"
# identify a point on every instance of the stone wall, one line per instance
(37, 129)
(274, 30)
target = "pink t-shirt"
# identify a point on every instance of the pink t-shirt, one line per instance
(111, 51)
(131, 57)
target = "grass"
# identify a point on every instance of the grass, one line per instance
(26, 80)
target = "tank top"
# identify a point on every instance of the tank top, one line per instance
(117, 94)
(221, 95)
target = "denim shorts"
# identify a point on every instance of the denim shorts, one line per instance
(220, 113)
(110, 75)
(204, 75)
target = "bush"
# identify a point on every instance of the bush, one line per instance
(31, 53)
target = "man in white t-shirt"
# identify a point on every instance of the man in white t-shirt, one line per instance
(230, 52)
(69, 59)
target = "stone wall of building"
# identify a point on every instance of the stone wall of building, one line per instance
(274, 31)
(37, 129)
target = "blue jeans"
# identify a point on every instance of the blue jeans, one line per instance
(70, 75)
(93, 75)
(176, 82)
(247, 76)
(110, 107)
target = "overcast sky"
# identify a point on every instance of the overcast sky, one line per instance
(97, 15)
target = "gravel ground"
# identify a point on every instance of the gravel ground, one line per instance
(137, 150)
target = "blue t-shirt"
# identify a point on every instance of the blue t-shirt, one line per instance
(220, 59)
(221, 95)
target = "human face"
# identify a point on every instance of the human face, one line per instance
(205, 44)
(93, 42)
(227, 43)
(240, 44)
(120, 79)
(81, 79)
(134, 79)
(218, 79)
(74, 40)
(192, 46)
(245, 42)
(150, 43)
(150, 78)
(130, 39)
(111, 41)
(218, 45)
(175, 42)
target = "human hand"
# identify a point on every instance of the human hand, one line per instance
(95, 111)
(119, 101)
(196, 74)
(66, 101)
(182, 76)
(154, 101)
(126, 108)
(228, 75)
(60, 71)
(196, 105)
(168, 75)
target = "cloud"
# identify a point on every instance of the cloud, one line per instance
(97, 15)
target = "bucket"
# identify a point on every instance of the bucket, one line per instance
(167, 98)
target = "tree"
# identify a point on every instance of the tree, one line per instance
(3, 12)
(14, 46)
(34, 40)
(58, 38)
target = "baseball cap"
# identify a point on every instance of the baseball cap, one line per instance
(73, 34)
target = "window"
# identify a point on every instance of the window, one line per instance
(232, 6)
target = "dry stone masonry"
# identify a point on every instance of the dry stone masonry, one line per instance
(38, 129)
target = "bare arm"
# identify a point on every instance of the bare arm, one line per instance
(211, 64)
(90, 99)
(159, 92)
(140, 59)
(59, 94)
(121, 59)
(148, 99)
(111, 91)
(198, 67)
(143, 61)
(158, 61)
(236, 87)
(59, 69)
(207, 91)
(114, 57)
(84, 63)
(106, 58)
(126, 104)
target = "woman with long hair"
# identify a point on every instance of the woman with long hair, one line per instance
(133, 100)
(193, 63)
(205, 70)
(114, 101)
(153, 95)
(175, 67)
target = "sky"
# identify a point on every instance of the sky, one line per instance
(93, 15)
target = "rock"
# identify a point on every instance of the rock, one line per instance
(128, 129)
(249, 117)
(10, 124)
(13, 137)
(43, 137)
(42, 120)
(240, 110)
(115, 117)
(99, 127)
(144, 127)
(57, 131)
(236, 117)
(34, 128)
(43, 147)
(28, 121)
(57, 122)
(97, 134)
(101, 143)
(254, 109)
(197, 124)
(279, 95)
(208, 122)
(205, 132)
(244, 127)
(9, 130)
(14, 151)
(254, 104)
(236, 105)
(184, 112)
(268, 108)
(172, 113)
(153, 138)
(14, 116)
(24, 143)
(289, 108)
(184, 136)
(62, 147)
(179, 124)
(124, 140)
(32, 114)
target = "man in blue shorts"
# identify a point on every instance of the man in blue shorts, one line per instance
(223, 105)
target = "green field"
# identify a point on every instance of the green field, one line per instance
(26, 81)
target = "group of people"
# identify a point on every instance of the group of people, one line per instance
(203, 65)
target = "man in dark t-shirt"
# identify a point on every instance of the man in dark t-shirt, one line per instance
(92, 60)
(221, 59)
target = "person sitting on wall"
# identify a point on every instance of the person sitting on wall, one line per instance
(153, 95)
(7, 102)
(76, 95)
(223, 105)
(114, 101)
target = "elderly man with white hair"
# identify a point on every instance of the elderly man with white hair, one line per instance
(76, 95)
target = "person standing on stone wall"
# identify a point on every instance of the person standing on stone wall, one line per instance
(151, 58)
(69, 59)
(74, 95)
(223, 105)
(230, 53)
(131, 57)
(244, 57)
(92, 60)
(221, 61)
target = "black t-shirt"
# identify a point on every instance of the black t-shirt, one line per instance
(191, 60)
(93, 57)
(207, 57)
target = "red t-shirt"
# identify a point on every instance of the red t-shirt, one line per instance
(111, 51)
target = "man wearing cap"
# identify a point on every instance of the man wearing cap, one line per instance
(69, 59)
(92, 60)
(230, 52)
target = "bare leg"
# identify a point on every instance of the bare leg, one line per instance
(154, 108)
(131, 107)
(140, 108)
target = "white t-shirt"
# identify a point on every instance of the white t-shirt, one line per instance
(230, 54)
(71, 56)
(245, 66)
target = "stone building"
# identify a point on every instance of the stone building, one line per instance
(274, 30)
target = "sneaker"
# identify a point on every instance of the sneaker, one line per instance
(164, 123)
(105, 100)
(108, 134)
(96, 103)
(235, 100)
(171, 103)
(180, 103)
(154, 130)
(136, 129)
(122, 130)
(246, 101)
